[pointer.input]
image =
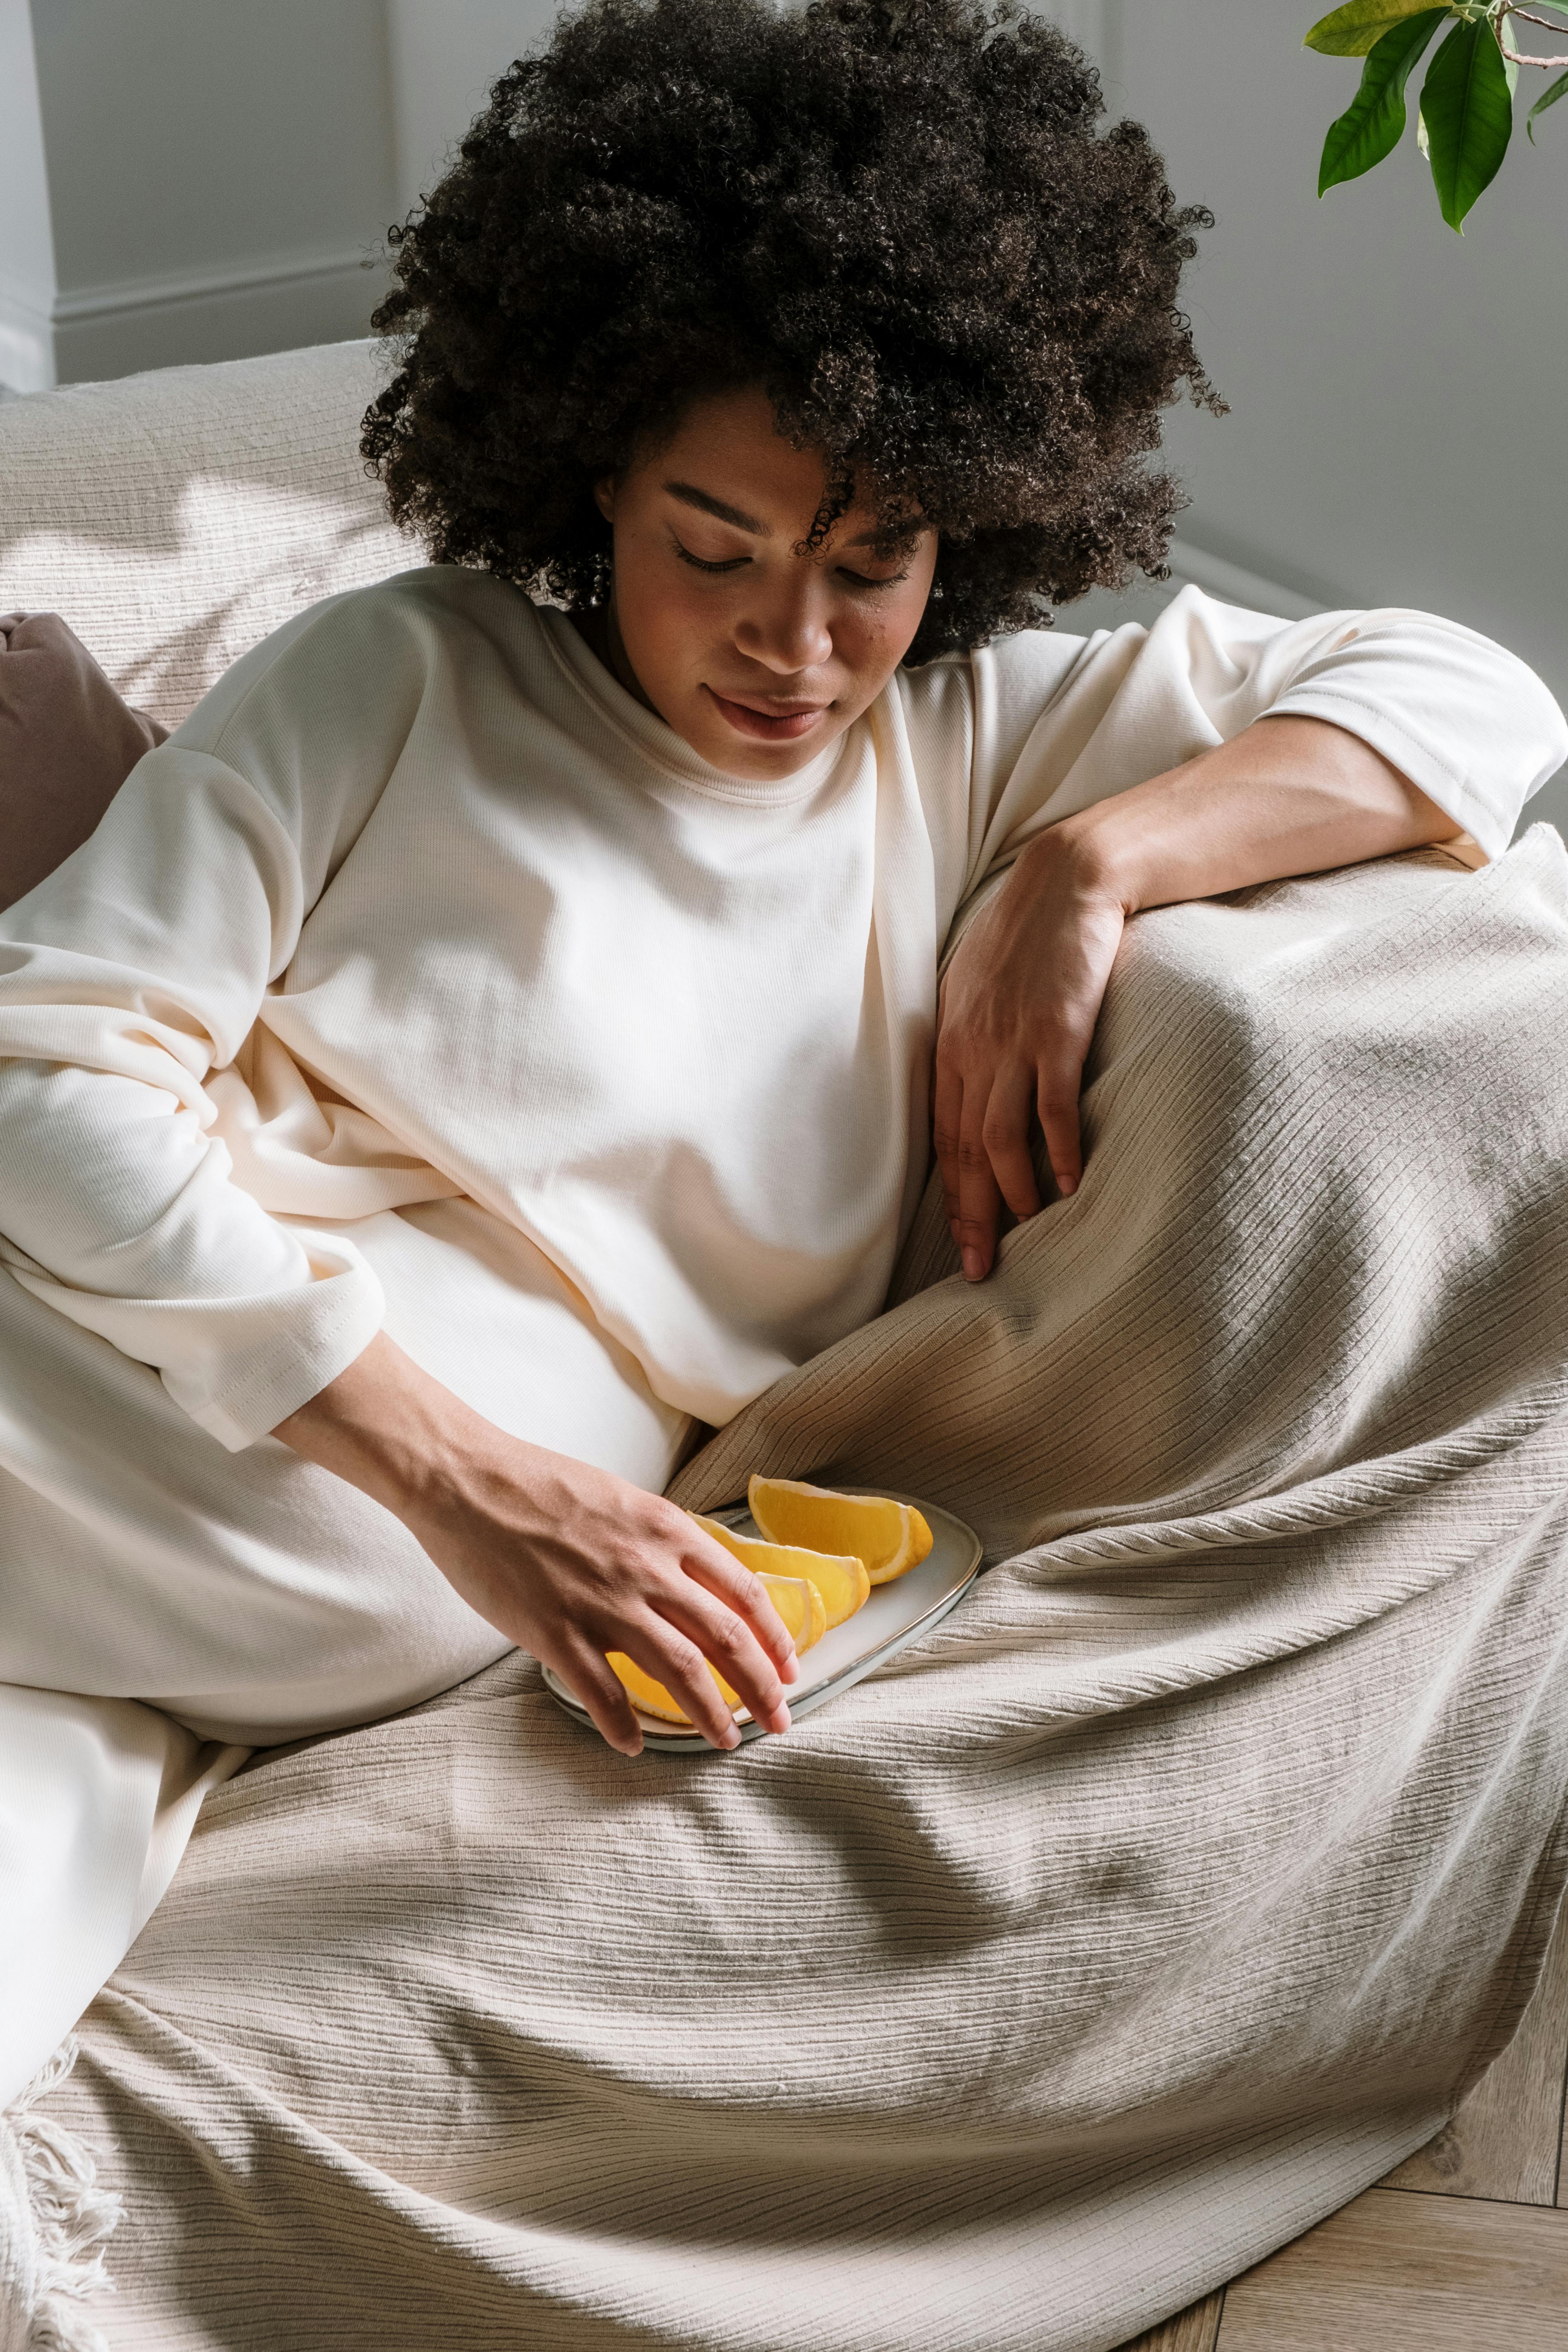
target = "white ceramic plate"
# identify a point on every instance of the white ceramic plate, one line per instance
(892, 1617)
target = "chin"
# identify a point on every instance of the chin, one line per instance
(764, 763)
(736, 754)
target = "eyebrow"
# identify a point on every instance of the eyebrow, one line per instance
(690, 495)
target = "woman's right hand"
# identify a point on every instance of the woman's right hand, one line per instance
(567, 1560)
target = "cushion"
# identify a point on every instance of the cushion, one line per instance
(175, 519)
(66, 744)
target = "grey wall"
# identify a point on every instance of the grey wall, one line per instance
(445, 55)
(217, 174)
(1393, 386)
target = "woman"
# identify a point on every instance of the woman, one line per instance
(495, 1036)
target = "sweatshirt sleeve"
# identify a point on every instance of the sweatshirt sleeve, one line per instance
(136, 971)
(1060, 724)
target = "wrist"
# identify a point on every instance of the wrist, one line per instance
(1090, 856)
(387, 1427)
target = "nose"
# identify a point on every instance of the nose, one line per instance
(784, 628)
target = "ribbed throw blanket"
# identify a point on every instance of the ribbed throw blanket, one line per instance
(1166, 1896)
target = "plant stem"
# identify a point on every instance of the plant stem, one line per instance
(1517, 57)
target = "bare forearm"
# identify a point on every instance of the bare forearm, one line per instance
(388, 1427)
(1287, 796)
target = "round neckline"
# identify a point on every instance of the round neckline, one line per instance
(656, 741)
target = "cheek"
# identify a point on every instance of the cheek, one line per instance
(665, 624)
(874, 639)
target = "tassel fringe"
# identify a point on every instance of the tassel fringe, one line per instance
(71, 2218)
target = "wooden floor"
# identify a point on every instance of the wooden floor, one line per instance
(1463, 2248)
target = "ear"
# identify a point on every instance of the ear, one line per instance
(604, 498)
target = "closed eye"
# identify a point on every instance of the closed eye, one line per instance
(864, 580)
(856, 581)
(700, 564)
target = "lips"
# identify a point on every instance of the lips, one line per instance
(783, 722)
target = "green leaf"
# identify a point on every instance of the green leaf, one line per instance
(1421, 138)
(1372, 126)
(1467, 108)
(1356, 29)
(1549, 97)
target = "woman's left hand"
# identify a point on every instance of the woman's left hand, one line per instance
(1015, 1020)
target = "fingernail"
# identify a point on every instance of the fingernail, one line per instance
(1068, 1187)
(973, 1266)
(732, 1738)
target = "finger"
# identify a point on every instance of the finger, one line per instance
(718, 1571)
(978, 1196)
(724, 1638)
(1005, 1130)
(590, 1679)
(1058, 1103)
(1078, 1013)
(947, 1119)
(661, 1650)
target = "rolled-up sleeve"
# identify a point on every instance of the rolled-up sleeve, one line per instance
(1060, 725)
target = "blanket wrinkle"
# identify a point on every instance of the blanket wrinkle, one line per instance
(1161, 1899)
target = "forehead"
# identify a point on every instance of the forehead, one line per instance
(727, 447)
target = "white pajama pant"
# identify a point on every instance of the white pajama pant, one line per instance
(166, 1605)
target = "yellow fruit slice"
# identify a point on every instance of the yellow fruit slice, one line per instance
(798, 1603)
(889, 1537)
(645, 1692)
(841, 1584)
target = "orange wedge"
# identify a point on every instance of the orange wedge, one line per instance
(649, 1696)
(840, 1583)
(798, 1603)
(889, 1537)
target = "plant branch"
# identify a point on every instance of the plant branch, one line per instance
(1517, 57)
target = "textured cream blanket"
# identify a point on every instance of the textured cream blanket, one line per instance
(1168, 1894)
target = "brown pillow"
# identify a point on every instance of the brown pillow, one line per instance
(66, 744)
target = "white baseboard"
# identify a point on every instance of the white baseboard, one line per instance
(85, 305)
(272, 303)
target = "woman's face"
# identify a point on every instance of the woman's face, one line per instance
(755, 652)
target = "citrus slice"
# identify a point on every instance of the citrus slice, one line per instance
(651, 1697)
(889, 1537)
(841, 1584)
(797, 1602)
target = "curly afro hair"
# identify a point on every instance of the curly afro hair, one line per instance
(897, 216)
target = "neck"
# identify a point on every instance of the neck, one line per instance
(600, 629)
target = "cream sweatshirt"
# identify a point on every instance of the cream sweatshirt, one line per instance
(419, 905)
